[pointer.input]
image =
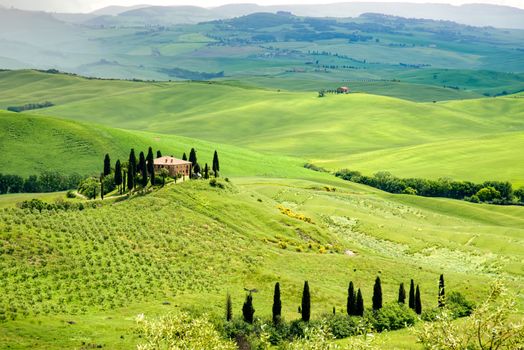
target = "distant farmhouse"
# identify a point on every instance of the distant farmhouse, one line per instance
(173, 165)
(343, 90)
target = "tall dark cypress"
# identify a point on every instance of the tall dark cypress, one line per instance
(441, 292)
(143, 169)
(411, 302)
(184, 157)
(229, 308)
(247, 309)
(401, 294)
(216, 164)
(131, 168)
(418, 301)
(359, 305)
(306, 303)
(377, 295)
(130, 176)
(193, 156)
(158, 154)
(277, 304)
(150, 160)
(352, 300)
(206, 172)
(118, 175)
(107, 165)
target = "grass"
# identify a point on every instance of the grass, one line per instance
(128, 264)
(88, 273)
(358, 131)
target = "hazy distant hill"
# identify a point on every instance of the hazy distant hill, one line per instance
(472, 14)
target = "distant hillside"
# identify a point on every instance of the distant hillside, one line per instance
(470, 14)
(357, 131)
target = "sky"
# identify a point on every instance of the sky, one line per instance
(90, 5)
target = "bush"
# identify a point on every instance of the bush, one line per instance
(410, 190)
(90, 188)
(70, 194)
(392, 317)
(488, 194)
(343, 326)
(458, 305)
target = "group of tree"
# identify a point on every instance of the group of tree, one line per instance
(30, 106)
(496, 192)
(197, 170)
(47, 181)
(141, 172)
(354, 306)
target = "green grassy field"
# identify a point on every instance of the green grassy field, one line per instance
(357, 131)
(119, 265)
(77, 279)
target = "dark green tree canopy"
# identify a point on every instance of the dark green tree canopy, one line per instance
(359, 305)
(441, 292)
(377, 294)
(107, 165)
(277, 304)
(306, 303)
(401, 294)
(352, 300)
(247, 309)
(418, 301)
(411, 302)
(216, 164)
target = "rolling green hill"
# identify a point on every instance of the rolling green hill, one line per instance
(32, 144)
(357, 131)
(185, 247)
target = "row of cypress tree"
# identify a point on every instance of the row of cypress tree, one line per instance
(127, 176)
(355, 301)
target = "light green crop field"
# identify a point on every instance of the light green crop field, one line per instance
(118, 265)
(357, 131)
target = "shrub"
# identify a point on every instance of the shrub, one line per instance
(343, 326)
(458, 305)
(392, 317)
(487, 194)
(70, 194)
(180, 331)
(410, 190)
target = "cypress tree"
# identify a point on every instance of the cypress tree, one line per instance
(306, 303)
(158, 154)
(107, 165)
(196, 168)
(411, 301)
(441, 292)
(247, 309)
(277, 304)
(418, 302)
(184, 157)
(401, 294)
(118, 175)
(359, 305)
(143, 168)
(351, 303)
(229, 308)
(193, 156)
(206, 172)
(131, 169)
(130, 176)
(216, 164)
(377, 295)
(151, 165)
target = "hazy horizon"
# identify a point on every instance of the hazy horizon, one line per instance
(92, 5)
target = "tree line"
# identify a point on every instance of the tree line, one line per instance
(356, 318)
(30, 106)
(47, 181)
(495, 192)
(138, 173)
